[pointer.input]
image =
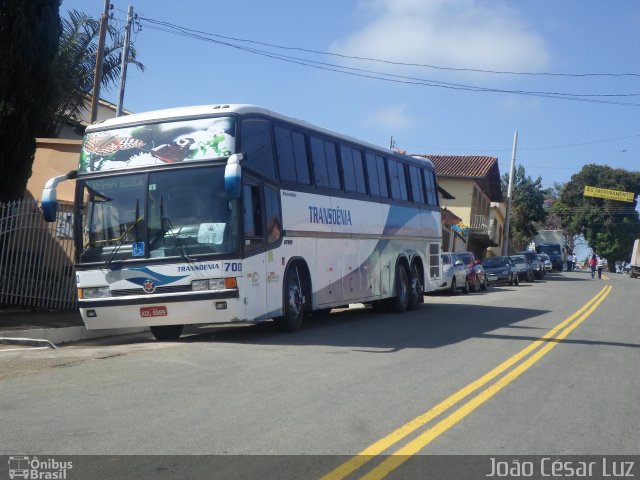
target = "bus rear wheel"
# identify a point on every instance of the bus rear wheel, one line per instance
(167, 332)
(400, 302)
(417, 289)
(294, 301)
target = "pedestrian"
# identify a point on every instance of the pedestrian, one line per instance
(593, 261)
(599, 265)
(569, 262)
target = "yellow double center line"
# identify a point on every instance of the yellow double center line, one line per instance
(401, 455)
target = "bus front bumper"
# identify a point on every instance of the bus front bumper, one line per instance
(169, 309)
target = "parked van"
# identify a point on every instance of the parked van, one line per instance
(554, 250)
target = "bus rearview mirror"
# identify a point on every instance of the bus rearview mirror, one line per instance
(233, 177)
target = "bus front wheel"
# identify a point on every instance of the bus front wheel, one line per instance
(167, 332)
(294, 301)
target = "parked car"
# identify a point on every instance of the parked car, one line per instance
(454, 274)
(536, 265)
(475, 272)
(501, 270)
(546, 261)
(525, 272)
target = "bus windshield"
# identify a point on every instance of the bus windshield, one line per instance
(168, 213)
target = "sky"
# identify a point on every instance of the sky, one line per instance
(429, 84)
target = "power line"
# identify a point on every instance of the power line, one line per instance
(548, 147)
(391, 62)
(182, 31)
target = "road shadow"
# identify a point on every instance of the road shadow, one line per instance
(430, 326)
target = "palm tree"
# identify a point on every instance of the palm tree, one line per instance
(74, 68)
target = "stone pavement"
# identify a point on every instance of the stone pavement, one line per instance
(42, 328)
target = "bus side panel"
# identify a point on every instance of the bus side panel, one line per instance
(329, 271)
(361, 268)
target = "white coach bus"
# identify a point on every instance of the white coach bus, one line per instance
(234, 213)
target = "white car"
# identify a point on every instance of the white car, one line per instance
(454, 274)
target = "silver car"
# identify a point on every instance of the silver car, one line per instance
(525, 272)
(454, 274)
(546, 261)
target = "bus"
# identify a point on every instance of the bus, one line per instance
(235, 213)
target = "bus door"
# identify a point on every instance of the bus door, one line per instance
(263, 234)
(254, 293)
(274, 261)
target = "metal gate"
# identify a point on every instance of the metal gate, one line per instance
(36, 257)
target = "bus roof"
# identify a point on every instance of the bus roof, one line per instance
(177, 113)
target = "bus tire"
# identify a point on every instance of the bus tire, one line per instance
(400, 302)
(416, 297)
(167, 332)
(294, 301)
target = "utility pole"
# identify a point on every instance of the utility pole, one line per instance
(392, 143)
(507, 220)
(125, 60)
(97, 76)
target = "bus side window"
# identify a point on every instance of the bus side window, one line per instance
(255, 142)
(382, 176)
(325, 163)
(292, 155)
(398, 180)
(352, 170)
(252, 218)
(272, 210)
(417, 189)
(430, 183)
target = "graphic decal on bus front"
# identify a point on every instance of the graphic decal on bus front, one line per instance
(154, 144)
(139, 275)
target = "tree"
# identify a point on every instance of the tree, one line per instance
(29, 34)
(609, 226)
(527, 207)
(46, 77)
(554, 220)
(74, 68)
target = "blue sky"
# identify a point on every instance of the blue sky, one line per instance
(556, 137)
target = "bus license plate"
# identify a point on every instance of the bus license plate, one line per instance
(146, 312)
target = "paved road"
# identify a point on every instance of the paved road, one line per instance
(349, 380)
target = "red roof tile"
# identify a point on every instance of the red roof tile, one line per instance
(480, 168)
(468, 166)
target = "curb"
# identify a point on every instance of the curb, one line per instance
(56, 336)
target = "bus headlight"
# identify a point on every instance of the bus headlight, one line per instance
(211, 284)
(94, 292)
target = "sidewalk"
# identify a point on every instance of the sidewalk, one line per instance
(25, 327)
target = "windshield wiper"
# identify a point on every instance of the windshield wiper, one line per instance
(120, 241)
(167, 227)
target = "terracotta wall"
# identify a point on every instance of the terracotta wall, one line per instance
(54, 157)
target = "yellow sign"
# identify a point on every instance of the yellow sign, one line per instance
(610, 194)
